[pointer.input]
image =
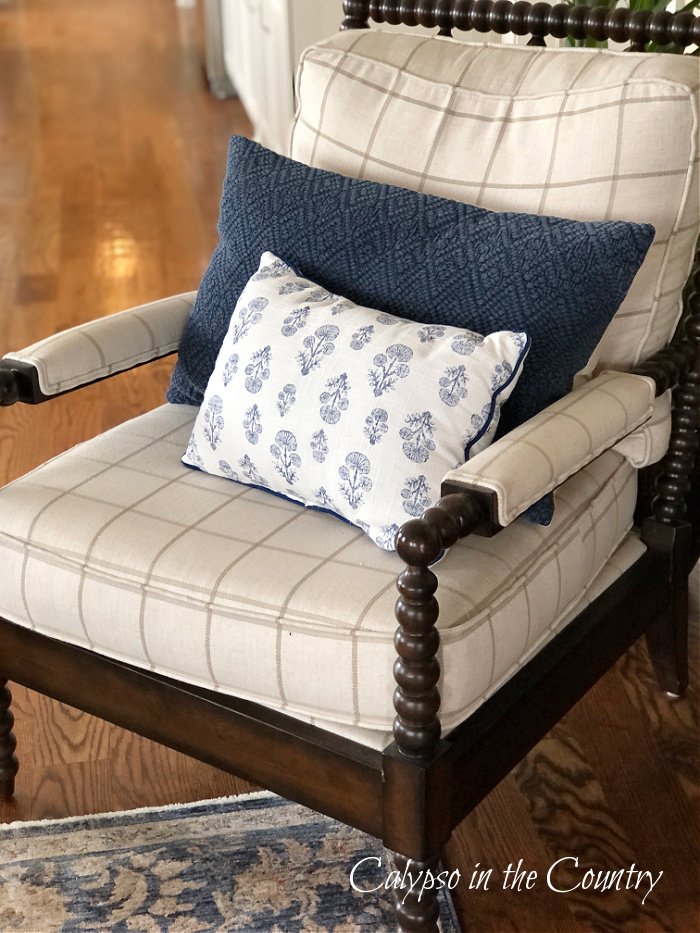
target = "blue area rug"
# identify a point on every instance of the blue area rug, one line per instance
(254, 863)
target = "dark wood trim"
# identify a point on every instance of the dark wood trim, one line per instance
(356, 14)
(8, 744)
(9, 390)
(538, 20)
(419, 543)
(673, 482)
(487, 501)
(299, 761)
(424, 800)
(667, 636)
(416, 820)
(417, 911)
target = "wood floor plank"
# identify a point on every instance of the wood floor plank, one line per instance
(497, 834)
(568, 806)
(110, 171)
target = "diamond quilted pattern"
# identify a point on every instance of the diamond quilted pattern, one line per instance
(420, 257)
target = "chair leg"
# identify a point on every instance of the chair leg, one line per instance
(417, 909)
(8, 743)
(667, 642)
(667, 638)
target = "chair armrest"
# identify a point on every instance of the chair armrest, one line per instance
(539, 455)
(97, 349)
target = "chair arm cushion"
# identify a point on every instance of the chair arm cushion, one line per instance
(539, 455)
(107, 345)
(649, 444)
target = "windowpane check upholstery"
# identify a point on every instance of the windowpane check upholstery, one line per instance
(588, 134)
(107, 345)
(118, 547)
(539, 455)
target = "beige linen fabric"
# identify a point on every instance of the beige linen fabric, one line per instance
(650, 442)
(118, 547)
(629, 551)
(107, 345)
(586, 134)
(539, 455)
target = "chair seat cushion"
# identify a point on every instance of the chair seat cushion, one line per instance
(118, 547)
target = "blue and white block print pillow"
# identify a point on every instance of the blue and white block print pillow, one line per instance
(345, 408)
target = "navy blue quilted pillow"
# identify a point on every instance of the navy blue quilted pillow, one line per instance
(416, 256)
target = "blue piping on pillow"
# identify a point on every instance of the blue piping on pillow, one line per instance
(495, 395)
(542, 511)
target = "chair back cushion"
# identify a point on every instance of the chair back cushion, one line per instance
(578, 133)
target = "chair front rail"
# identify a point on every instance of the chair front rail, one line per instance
(264, 746)
(538, 20)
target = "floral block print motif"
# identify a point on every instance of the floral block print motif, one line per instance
(346, 408)
(252, 425)
(354, 474)
(285, 456)
(230, 369)
(213, 422)
(316, 347)
(286, 398)
(416, 495)
(258, 370)
(389, 368)
(319, 446)
(247, 317)
(376, 425)
(334, 401)
(418, 436)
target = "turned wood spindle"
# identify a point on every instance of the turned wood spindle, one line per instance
(674, 481)
(536, 19)
(417, 911)
(443, 17)
(416, 671)
(356, 14)
(8, 744)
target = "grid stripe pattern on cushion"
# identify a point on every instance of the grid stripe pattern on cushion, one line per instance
(539, 455)
(584, 134)
(649, 443)
(629, 551)
(118, 547)
(107, 345)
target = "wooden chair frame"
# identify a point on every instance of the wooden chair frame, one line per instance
(414, 793)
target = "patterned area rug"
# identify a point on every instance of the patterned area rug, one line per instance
(255, 863)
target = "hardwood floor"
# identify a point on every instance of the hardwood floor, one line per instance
(111, 160)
